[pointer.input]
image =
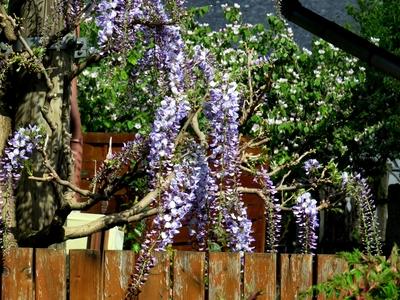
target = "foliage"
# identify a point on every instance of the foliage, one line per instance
(191, 94)
(368, 277)
(110, 98)
(377, 105)
(298, 100)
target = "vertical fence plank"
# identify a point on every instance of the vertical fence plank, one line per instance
(118, 266)
(296, 275)
(50, 274)
(157, 285)
(85, 270)
(224, 276)
(328, 266)
(17, 277)
(260, 276)
(189, 275)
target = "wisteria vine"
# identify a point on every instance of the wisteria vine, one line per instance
(201, 178)
(356, 187)
(272, 211)
(306, 215)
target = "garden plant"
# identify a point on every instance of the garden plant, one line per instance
(197, 101)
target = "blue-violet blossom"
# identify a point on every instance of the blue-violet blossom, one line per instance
(311, 165)
(306, 215)
(357, 189)
(272, 211)
(19, 149)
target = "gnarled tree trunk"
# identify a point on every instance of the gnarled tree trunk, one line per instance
(31, 98)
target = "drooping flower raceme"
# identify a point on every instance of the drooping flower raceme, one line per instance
(173, 108)
(357, 189)
(222, 112)
(205, 194)
(175, 204)
(306, 215)
(272, 211)
(176, 201)
(19, 149)
(236, 222)
(119, 23)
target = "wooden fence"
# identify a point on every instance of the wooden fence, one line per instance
(45, 274)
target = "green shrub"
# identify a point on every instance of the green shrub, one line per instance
(369, 277)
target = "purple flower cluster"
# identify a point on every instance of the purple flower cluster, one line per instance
(178, 199)
(71, 9)
(171, 57)
(306, 215)
(19, 149)
(357, 189)
(205, 194)
(311, 166)
(272, 211)
(236, 223)
(118, 22)
(176, 202)
(144, 263)
(222, 112)
(164, 132)
(173, 109)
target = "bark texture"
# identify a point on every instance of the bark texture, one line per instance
(30, 99)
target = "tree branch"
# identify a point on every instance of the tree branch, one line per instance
(195, 125)
(105, 223)
(291, 163)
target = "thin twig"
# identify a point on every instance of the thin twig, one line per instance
(290, 164)
(195, 125)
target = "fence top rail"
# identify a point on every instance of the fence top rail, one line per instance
(90, 274)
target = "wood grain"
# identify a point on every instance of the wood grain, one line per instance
(296, 275)
(17, 277)
(189, 275)
(50, 274)
(85, 270)
(118, 266)
(260, 276)
(328, 266)
(224, 276)
(157, 285)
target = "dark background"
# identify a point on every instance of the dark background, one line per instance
(254, 11)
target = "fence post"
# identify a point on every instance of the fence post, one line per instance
(50, 274)
(17, 277)
(296, 275)
(189, 275)
(224, 276)
(85, 270)
(118, 266)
